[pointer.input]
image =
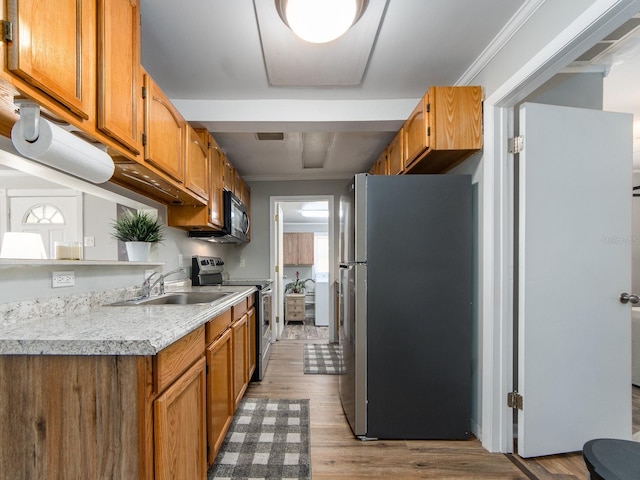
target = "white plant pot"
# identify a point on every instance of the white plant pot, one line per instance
(138, 251)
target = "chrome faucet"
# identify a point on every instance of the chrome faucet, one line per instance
(147, 286)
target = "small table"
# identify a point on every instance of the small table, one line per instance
(294, 307)
(612, 459)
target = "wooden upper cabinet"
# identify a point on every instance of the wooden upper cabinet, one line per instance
(298, 248)
(196, 176)
(395, 154)
(229, 174)
(119, 102)
(454, 129)
(217, 184)
(380, 166)
(53, 49)
(164, 126)
(416, 131)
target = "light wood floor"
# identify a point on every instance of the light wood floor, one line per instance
(336, 454)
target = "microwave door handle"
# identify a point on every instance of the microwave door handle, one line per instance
(248, 222)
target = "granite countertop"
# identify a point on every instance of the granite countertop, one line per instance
(109, 330)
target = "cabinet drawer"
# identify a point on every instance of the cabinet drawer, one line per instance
(217, 325)
(239, 309)
(171, 362)
(251, 300)
(295, 316)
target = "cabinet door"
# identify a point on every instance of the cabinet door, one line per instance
(305, 248)
(229, 175)
(456, 118)
(290, 248)
(240, 339)
(416, 131)
(53, 49)
(119, 101)
(220, 400)
(251, 319)
(217, 184)
(196, 175)
(179, 427)
(395, 154)
(164, 131)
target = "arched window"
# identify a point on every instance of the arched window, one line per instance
(44, 213)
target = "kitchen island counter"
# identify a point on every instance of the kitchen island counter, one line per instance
(115, 330)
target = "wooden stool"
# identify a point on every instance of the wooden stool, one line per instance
(611, 459)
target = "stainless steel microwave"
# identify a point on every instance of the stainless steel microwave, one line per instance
(236, 222)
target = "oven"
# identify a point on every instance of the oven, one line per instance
(209, 271)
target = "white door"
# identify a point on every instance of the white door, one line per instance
(574, 366)
(56, 216)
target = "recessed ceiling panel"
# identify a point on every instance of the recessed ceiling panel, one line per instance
(292, 62)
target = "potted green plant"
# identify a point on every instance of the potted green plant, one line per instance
(297, 286)
(138, 230)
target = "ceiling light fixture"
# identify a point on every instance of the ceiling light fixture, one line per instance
(320, 21)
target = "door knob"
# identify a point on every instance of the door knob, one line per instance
(629, 298)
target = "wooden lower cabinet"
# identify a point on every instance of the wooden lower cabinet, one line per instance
(179, 427)
(220, 399)
(240, 339)
(126, 417)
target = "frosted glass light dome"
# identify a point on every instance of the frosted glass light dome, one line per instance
(320, 21)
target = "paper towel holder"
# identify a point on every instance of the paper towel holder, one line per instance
(30, 115)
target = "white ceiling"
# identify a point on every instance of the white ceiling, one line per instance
(208, 58)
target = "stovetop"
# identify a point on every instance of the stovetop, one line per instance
(260, 283)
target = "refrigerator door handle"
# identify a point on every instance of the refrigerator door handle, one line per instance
(350, 264)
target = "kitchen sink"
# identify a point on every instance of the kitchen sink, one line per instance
(174, 298)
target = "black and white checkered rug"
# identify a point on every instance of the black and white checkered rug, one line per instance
(323, 359)
(267, 439)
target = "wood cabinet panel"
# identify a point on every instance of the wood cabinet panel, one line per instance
(119, 100)
(196, 177)
(217, 325)
(305, 248)
(298, 248)
(417, 132)
(180, 423)
(164, 126)
(395, 154)
(240, 340)
(228, 174)
(217, 184)
(220, 399)
(53, 48)
(177, 357)
(57, 414)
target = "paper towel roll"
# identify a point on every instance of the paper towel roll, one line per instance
(64, 151)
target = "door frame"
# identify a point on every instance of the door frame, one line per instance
(273, 201)
(496, 209)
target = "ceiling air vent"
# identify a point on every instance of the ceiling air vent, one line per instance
(270, 136)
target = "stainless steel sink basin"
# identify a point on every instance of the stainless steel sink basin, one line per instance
(174, 298)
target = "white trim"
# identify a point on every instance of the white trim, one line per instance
(501, 39)
(497, 224)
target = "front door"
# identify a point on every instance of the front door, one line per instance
(575, 190)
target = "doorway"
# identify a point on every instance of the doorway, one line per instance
(303, 257)
(497, 222)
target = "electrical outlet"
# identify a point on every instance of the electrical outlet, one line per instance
(243, 262)
(63, 279)
(89, 241)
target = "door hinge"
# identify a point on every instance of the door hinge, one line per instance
(428, 131)
(7, 31)
(428, 107)
(277, 319)
(276, 218)
(514, 400)
(277, 268)
(206, 369)
(144, 92)
(516, 144)
(144, 139)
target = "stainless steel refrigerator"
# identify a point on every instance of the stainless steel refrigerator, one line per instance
(405, 306)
